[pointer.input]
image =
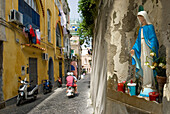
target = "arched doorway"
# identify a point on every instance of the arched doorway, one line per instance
(60, 70)
(51, 70)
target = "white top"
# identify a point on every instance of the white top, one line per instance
(131, 84)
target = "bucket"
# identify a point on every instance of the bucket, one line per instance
(153, 96)
(132, 88)
(120, 87)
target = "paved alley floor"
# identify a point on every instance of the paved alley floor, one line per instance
(57, 102)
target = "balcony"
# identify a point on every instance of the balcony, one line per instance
(30, 16)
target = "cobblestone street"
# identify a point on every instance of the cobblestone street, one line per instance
(58, 102)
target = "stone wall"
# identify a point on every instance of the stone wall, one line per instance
(115, 33)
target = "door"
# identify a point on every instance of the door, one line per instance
(51, 70)
(60, 70)
(33, 70)
(1, 61)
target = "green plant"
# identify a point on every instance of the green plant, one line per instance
(88, 10)
(158, 64)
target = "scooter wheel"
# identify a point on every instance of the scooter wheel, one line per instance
(44, 91)
(35, 97)
(19, 99)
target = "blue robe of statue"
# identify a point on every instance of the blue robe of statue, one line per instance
(150, 40)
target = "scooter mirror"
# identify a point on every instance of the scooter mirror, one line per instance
(20, 78)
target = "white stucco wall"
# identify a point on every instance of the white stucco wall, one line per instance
(115, 34)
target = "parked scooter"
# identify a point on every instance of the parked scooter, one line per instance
(47, 86)
(26, 92)
(59, 82)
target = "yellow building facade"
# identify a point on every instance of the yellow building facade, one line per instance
(24, 59)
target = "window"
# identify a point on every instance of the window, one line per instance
(32, 4)
(29, 9)
(58, 36)
(49, 25)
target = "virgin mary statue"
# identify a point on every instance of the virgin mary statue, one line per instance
(145, 43)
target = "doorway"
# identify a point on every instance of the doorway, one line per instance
(1, 70)
(51, 70)
(33, 70)
(60, 70)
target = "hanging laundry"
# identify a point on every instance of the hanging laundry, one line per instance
(34, 38)
(30, 38)
(65, 30)
(63, 17)
(76, 29)
(24, 32)
(59, 13)
(38, 36)
(31, 31)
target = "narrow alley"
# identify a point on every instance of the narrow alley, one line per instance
(57, 102)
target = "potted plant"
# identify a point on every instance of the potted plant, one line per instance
(159, 65)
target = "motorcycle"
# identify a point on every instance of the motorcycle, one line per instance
(70, 91)
(25, 92)
(59, 82)
(47, 86)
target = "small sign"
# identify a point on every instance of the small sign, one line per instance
(17, 40)
(23, 70)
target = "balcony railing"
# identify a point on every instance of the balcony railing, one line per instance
(30, 16)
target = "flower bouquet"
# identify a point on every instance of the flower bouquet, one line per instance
(158, 64)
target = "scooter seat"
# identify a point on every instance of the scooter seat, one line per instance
(30, 88)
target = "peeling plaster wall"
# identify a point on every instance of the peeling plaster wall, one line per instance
(115, 33)
(121, 25)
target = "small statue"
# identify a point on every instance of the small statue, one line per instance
(145, 43)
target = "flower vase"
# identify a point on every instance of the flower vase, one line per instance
(161, 81)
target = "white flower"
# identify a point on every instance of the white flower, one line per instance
(155, 64)
(152, 67)
(152, 54)
(146, 63)
(161, 64)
